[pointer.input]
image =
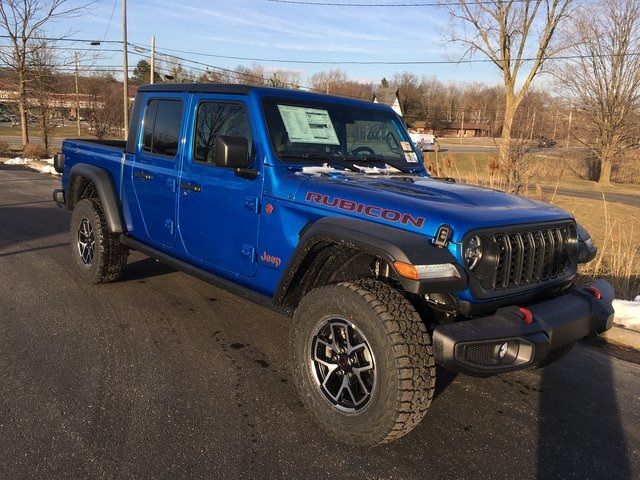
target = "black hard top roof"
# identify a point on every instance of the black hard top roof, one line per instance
(242, 89)
(198, 87)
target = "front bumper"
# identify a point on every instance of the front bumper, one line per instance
(503, 342)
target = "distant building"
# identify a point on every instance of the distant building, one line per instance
(466, 130)
(388, 96)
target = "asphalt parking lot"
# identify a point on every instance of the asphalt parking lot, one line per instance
(163, 376)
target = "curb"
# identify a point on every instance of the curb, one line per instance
(622, 337)
(618, 342)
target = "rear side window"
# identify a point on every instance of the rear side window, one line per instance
(162, 127)
(219, 118)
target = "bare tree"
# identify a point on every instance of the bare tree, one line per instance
(515, 35)
(103, 113)
(337, 82)
(24, 21)
(604, 78)
(42, 88)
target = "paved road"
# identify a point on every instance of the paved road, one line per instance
(626, 198)
(163, 376)
(453, 147)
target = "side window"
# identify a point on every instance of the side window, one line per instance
(218, 118)
(162, 127)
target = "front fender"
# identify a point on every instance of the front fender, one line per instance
(387, 243)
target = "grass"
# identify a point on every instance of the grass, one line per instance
(615, 228)
(546, 171)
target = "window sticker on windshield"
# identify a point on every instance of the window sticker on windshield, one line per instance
(406, 146)
(411, 157)
(308, 125)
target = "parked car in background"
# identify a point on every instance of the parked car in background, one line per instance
(546, 143)
(426, 142)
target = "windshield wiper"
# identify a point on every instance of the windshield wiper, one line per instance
(310, 157)
(354, 159)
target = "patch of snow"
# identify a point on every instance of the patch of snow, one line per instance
(377, 171)
(627, 313)
(325, 168)
(16, 161)
(34, 164)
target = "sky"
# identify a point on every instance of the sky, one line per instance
(264, 29)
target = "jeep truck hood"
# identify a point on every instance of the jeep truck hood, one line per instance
(422, 204)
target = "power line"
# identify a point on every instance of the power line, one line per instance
(68, 39)
(414, 4)
(329, 62)
(113, 10)
(234, 73)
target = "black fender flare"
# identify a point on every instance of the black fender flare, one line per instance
(105, 187)
(388, 243)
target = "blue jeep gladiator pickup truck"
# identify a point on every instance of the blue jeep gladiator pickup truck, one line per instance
(320, 207)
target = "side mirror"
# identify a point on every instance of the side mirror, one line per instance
(231, 152)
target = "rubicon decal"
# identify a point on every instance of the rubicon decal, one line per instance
(364, 209)
(270, 259)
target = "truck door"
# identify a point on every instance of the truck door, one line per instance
(156, 166)
(218, 211)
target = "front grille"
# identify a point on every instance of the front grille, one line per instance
(531, 256)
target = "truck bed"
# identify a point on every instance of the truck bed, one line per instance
(106, 154)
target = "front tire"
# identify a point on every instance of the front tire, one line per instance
(362, 361)
(97, 253)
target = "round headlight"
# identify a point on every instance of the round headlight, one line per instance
(473, 252)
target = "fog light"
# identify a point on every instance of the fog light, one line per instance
(503, 350)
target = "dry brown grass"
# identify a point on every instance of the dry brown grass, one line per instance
(614, 228)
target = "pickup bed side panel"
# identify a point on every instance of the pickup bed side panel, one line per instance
(102, 162)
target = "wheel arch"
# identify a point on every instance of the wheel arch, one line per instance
(335, 249)
(90, 181)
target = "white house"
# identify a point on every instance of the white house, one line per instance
(388, 96)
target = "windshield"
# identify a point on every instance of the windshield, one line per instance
(320, 132)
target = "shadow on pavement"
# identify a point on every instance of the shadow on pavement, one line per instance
(40, 202)
(35, 249)
(145, 268)
(581, 436)
(444, 378)
(27, 223)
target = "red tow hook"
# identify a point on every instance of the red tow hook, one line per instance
(527, 316)
(595, 292)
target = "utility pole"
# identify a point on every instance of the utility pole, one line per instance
(570, 118)
(462, 127)
(125, 69)
(555, 125)
(153, 58)
(75, 56)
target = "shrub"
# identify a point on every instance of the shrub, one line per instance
(34, 152)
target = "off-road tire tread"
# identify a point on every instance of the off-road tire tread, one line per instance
(413, 362)
(112, 254)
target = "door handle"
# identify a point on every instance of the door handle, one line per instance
(191, 187)
(142, 175)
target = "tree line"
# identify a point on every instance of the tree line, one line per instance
(588, 52)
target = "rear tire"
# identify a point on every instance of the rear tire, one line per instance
(395, 394)
(97, 253)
